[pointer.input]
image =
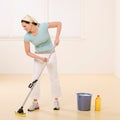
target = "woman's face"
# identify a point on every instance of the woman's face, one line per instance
(27, 27)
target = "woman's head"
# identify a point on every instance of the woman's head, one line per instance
(28, 22)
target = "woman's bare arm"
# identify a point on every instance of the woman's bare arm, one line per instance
(30, 54)
(57, 25)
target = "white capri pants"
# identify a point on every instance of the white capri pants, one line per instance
(52, 72)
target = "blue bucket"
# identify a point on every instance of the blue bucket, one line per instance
(84, 101)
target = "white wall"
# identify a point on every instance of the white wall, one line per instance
(97, 48)
(117, 45)
(91, 53)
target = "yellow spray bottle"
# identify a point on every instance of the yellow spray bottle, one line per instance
(98, 103)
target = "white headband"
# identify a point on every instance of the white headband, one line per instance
(29, 19)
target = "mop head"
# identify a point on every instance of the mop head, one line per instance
(20, 113)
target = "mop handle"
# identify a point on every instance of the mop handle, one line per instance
(34, 82)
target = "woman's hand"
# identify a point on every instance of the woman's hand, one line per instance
(44, 59)
(56, 42)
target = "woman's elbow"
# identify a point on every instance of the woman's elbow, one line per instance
(60, 23)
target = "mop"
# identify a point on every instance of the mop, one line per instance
(20, 111)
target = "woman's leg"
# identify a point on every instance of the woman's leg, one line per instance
(37, 67)
(54, 79)
(53, 75)
(35, 94)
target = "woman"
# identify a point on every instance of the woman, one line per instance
(38, 35)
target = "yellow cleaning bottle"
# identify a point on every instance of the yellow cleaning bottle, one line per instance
(98, 103)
